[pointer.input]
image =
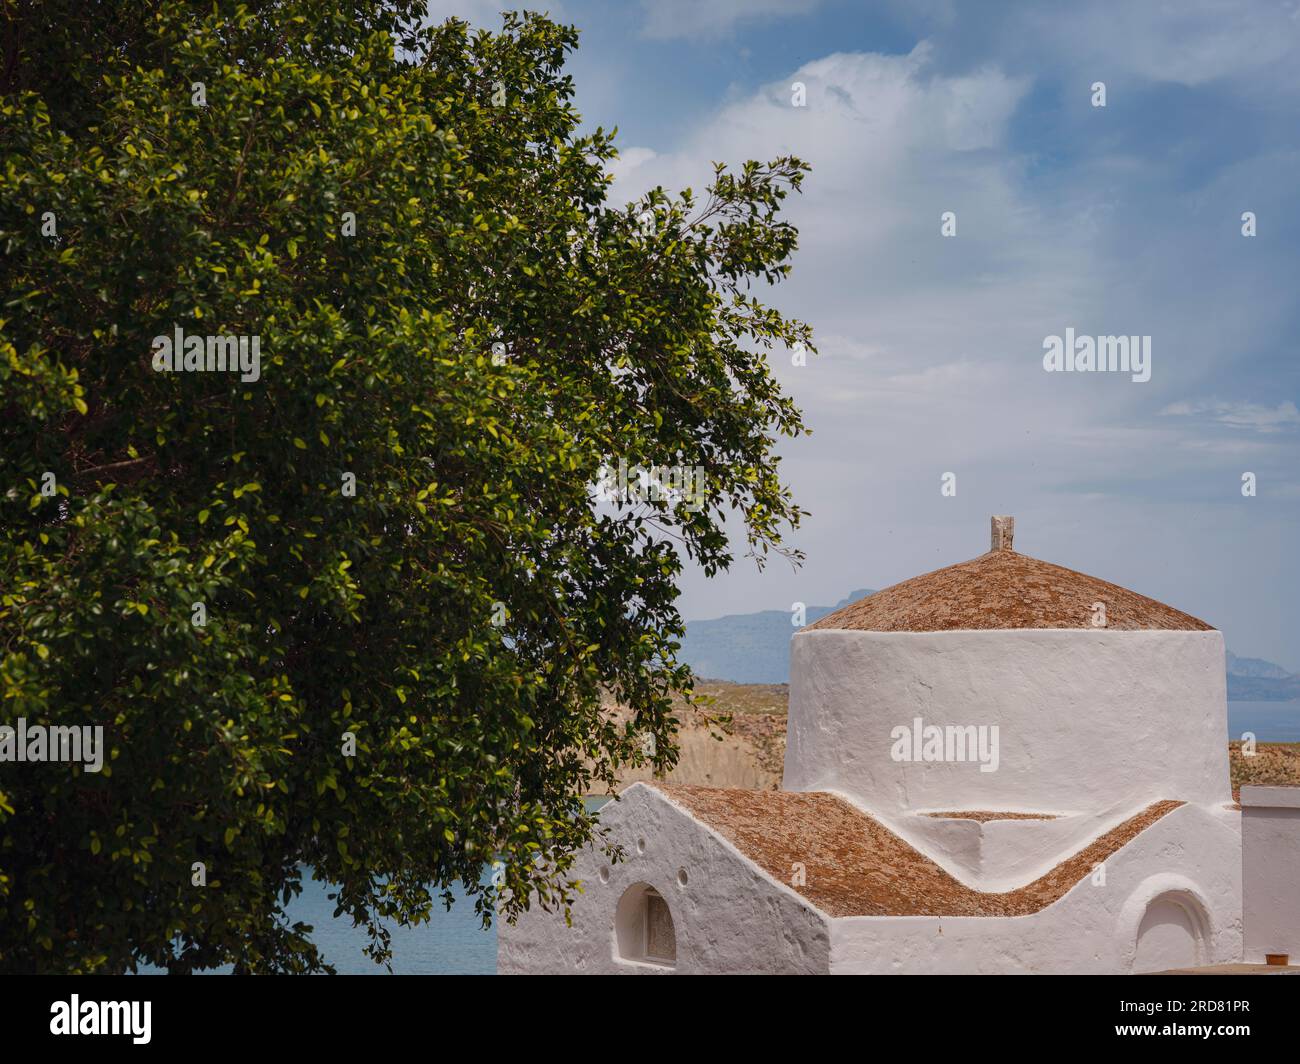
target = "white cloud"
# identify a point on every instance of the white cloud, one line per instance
(931, 347)
(629, 160)
(1241, 415)
(1190, 43)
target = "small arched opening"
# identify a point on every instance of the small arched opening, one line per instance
(1171, 934)
(643, 927)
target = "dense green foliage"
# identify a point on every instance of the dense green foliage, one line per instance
(463, 611)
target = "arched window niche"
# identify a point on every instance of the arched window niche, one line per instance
(1171, 935)
(643, 927)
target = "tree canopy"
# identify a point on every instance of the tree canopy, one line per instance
(352, 615)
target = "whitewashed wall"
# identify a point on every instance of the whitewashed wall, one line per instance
(729, 917)
(1270, 830)
(1188, 859)
(1088, 720)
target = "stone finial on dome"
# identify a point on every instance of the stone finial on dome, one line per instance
(1004, 530)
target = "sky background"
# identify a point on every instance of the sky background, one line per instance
(1117, 220)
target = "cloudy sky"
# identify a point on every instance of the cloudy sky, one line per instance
(1124, 219)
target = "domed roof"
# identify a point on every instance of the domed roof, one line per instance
(1004, 589)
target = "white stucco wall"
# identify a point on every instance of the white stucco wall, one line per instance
(1187, 858)
(728, 918)
(1093, 725)
(1002, 854)
(1087, 719)
(1172, 896)
(1270, 829)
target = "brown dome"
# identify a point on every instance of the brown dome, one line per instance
(1003, 589)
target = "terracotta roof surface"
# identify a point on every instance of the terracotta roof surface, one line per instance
(854, 866)
(1004, 589)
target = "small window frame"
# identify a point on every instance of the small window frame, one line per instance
(638, 909)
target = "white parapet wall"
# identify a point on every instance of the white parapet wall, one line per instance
(1270, 862)
(686, 900)
(1087, 719)
(1169, 899)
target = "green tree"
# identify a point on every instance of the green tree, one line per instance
(395, 684)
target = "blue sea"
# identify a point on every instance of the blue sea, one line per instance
(1272, 722)
(453, 942)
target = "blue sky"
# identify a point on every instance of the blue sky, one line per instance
(1117, 220)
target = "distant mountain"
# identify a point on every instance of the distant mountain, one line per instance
(1256, 668)
(755, 648)
(1257, 680)
(749, 647)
